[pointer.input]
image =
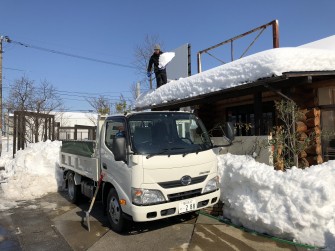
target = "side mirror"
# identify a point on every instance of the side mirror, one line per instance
(119, 149)
(228, 135)
(229, 130)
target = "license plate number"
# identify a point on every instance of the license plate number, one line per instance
(187, 205)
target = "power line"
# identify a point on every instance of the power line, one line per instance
(84, 96)
(74, 92)
(13, 69)
(84, 93)
(68, 54)
(92, 93)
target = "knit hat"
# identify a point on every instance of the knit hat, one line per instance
(157, 47)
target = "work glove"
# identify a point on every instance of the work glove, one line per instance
(149, 74)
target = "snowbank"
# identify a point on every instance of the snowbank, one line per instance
(296, 204)
(31, 174)
(265, 64)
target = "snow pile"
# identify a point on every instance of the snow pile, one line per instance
(31, 174)
(296, 204)
(265, 64)
(164, 59)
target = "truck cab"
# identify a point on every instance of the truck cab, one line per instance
(154, 164)
(160, 164)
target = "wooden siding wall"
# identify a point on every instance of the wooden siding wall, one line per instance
(309, 126)
(304, 91)
(212, 114)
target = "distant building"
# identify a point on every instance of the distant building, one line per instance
(64, 120)
(67, 121)
(7, 128)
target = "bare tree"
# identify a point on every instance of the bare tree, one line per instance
(20, 94)
(25, 95)
(122, 106)
(101, 104)
(44, 101)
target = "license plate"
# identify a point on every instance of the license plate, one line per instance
(187, 205)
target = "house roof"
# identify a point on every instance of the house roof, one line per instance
(327, 43)
(269, 66)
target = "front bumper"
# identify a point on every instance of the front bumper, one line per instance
(160, 211)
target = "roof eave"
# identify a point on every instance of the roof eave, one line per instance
(256, 84)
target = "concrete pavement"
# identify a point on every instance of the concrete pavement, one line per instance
(53, 223)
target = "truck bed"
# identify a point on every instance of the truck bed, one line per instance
(78, 157)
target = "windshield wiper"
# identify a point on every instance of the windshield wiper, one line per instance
(164, 150)
(196, 151)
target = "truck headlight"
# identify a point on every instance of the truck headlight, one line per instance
(212, 185)
(146, 196)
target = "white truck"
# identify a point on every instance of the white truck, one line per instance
(154, 165)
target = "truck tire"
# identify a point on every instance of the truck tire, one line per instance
(114, 212)
(73, 190)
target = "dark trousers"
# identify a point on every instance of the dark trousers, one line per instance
(161, 78)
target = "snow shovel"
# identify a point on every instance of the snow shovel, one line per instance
(87, 213)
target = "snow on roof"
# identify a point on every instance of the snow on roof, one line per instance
(264, 64)
(327, 43)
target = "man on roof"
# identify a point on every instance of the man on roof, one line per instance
(160, 73)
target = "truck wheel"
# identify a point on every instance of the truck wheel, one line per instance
(73, 190)
(114, 212)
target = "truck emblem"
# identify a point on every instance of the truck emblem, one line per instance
(185, 180)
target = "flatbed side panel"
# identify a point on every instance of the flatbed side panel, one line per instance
(85, 166)
(79, 147)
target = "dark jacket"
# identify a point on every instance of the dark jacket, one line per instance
(154, 59)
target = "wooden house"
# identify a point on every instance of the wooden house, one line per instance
(245, 91)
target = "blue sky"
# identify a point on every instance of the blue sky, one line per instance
(110, 31)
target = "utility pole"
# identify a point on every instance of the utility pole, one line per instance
(138, 89)
(6, 39)
(1, 39)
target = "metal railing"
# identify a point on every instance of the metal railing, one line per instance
(275, 38)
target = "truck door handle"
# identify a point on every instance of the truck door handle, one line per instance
(104, 166)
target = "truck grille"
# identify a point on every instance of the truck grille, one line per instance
(177, 183)
(184, 195)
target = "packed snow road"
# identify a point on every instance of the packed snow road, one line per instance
(53, 223)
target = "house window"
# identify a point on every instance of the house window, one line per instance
(243, 118)
(328, 139)
(327, 104)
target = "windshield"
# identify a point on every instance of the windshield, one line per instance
(167, 133)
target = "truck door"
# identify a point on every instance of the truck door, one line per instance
(117, 171)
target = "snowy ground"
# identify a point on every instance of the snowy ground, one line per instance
(296, 205)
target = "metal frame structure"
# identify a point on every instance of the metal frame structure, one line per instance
(275, 38)
(91, 131)
(19, 128)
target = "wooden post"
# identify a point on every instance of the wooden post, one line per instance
(295, 156)
(46, 128)
(75, 133)
(14, 134)
(199, 62)
(258, 113)
(275, 32)
(52, 129)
